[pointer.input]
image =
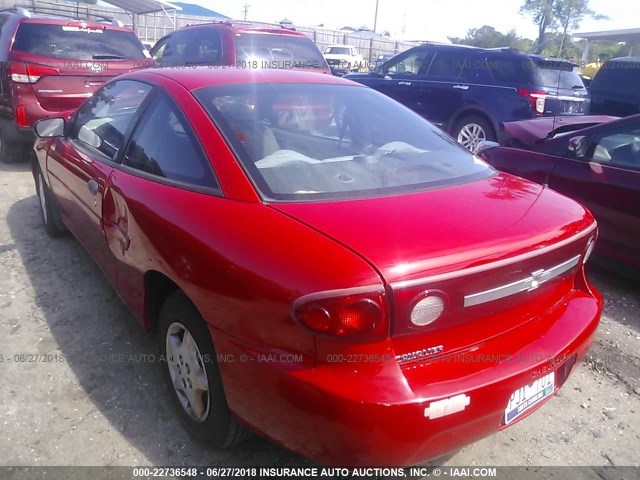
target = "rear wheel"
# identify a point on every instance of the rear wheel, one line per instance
(473, 129)
(193, 376)
(10, 152)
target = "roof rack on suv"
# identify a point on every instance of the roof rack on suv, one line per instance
(19, 10)
(248, 23)
(61, 14)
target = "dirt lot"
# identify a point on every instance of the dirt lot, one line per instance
(88, 410)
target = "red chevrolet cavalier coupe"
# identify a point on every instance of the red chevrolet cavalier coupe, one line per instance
(322, 265)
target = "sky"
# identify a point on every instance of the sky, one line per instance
(418, 19)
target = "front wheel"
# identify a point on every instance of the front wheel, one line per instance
(471, 130)
(192, 374)
(49, 211)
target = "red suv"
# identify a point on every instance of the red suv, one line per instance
(239, 43)
(50, 65)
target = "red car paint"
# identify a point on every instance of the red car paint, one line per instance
(244, 262)
(611, 192)
(63, 83)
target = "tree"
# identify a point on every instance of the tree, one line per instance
(554, 14)
(542, 12)
(569, 14)
(488, 37)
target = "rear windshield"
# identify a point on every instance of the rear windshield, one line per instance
(337, 51)
(77, 43)
(305, 142)
(256, 50)
(559, 75)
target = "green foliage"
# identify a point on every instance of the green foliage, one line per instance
(557, 15)
(488, 37)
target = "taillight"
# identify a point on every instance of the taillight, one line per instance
(359, 316)
(536, 99)
(30, 72)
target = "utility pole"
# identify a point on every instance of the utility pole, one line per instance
(245, 10)
(375, 18)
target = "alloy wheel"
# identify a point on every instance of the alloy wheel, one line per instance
(471, 135)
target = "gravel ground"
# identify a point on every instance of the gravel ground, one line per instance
(86, 410)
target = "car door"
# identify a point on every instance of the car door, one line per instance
(607, 181)
(163, 160)
(81, 162)
(403, 79)
(447, 85)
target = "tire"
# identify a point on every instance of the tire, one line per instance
(470, 130)
(190, 364)
(11, 152)
(48, 209)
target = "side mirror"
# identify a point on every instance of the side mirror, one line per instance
(484, 145)
(578, 146)
(50, 127)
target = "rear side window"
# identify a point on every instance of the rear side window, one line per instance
(77, 43)
(259, 50)
(190, 46)
(450, 65)
(163, 144)
(511, 70)
(618, 77)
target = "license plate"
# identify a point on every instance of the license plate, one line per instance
(527, 397)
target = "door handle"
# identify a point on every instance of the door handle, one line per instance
(93, 186)
(462, 87)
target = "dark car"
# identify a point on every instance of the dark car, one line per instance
(615, 89)
(242, 44)
(599, 166)
(470, 91)
(50, 65)
(240, 230)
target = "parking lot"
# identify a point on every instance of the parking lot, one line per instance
(79, 384)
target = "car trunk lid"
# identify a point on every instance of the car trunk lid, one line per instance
(462, 242)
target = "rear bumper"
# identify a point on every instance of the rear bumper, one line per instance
(374, 414)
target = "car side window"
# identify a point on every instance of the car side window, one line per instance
(164, 145)
(102, 122)
(415, 63)
(620, 147)
(449, 65)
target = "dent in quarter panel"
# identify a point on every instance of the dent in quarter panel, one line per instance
(241, 263)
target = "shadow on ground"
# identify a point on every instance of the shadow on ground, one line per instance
(110, 353)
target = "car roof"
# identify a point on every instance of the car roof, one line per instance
(625, 60)
(204, 76)
(457, 46)
(248, 27)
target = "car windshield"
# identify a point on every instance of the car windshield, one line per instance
(255, 50)
(556, 75)
(304, 142)
(77, 43)
(337, 51)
